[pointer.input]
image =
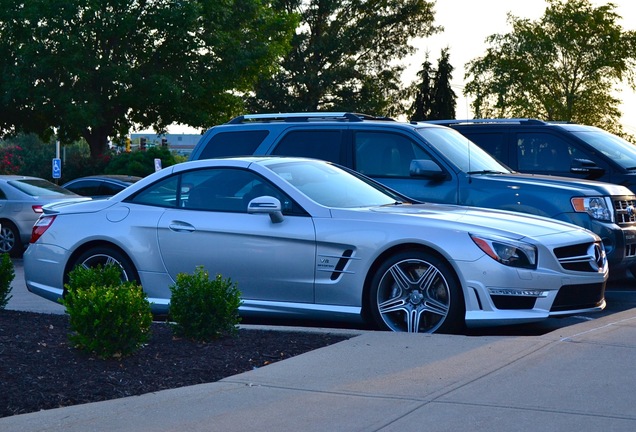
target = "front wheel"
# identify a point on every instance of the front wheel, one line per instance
(417, 292)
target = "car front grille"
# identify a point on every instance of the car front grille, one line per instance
(625, 211)
(573, 297)
(584, 257)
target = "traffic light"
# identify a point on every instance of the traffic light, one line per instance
(142, 144)
(127, 145)
(164, 142)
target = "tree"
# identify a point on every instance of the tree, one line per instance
(98, 68)
(344, 56)
(434, 97)
(444, 98)
(562, 67)
(421, 108)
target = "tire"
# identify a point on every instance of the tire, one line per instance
(10, 241)
(416, 291)
(108, 255)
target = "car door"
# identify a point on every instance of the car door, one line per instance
(211, 228)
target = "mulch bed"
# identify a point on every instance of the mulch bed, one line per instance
(40, 370)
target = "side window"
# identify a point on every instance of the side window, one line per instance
(493, 143)
(541, 152)
(242, 143)
(381, 154)
(86, 187)
(317, 144)
(229, 190)
(110, 189)
(164, 193)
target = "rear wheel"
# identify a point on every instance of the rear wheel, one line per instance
(108, 256)
(417, 292)
(10, 241)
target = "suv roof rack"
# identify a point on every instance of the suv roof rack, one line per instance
(490, 120)
(305, 117)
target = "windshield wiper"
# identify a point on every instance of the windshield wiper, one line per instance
(485, 172)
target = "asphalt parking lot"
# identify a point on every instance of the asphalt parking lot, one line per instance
(620, 296)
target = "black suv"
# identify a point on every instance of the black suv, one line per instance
(435, 164)
(563, 149)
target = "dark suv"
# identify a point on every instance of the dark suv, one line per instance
(435, 164)
(563, 149)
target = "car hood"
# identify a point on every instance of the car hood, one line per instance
(475, 218)
(576, 186)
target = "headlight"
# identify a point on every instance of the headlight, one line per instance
(597, 207)
(507, 251)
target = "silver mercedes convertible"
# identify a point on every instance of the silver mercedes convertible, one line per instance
(308, 239)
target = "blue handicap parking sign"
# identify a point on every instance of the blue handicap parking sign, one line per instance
(57, 168)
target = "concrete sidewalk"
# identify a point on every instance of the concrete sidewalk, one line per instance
(577, 378)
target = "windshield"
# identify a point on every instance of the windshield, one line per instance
(332, 186)
(616, 148)
(460, 151)
(40, 187)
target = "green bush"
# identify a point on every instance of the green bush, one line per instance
(202, 309)
(108, 317)
(140, 163)
(6, 276)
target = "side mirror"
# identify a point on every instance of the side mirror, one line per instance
(586, 166)
(266, 205)
(426, 168)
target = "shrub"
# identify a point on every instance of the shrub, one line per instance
(10, 159)
(140, 163)
(6, 276)
(108, 317)
(202, 309)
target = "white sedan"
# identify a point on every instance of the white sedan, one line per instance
(304, 238)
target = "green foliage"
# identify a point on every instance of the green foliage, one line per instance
(562, 67)
(28, 155)
(204, 309)
(140, 163)
(108, 317)
(7, 274)
(97, 68)
(344, 56)
(434, 98)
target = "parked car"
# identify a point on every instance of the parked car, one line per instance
(433, 164)
(306, 239)
(563, 149)
(21, 201)
(100, 186)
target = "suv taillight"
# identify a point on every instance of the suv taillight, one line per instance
(41, 225)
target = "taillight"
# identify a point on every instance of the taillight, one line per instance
(41, 225)
(37, 208)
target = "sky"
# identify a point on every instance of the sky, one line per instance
(467, 24)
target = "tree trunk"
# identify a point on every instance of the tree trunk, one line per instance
(97, 142)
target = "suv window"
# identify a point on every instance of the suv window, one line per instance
(317, 144)
(620, 151)
(382, 154)
(541, 152)
(233, 143)
(493, 143)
